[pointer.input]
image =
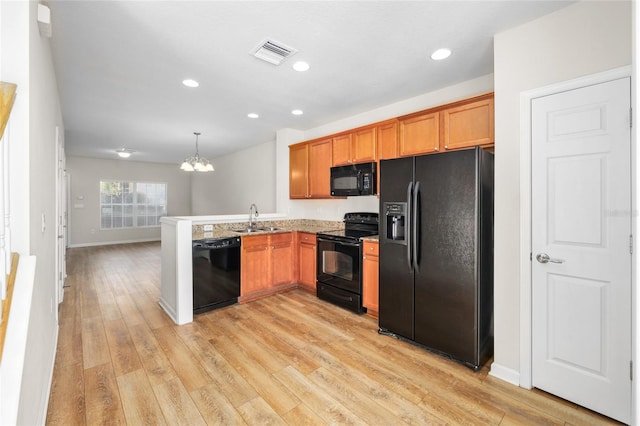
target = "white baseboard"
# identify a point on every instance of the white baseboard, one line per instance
(504, 373)
(168, 310)
(108, 243)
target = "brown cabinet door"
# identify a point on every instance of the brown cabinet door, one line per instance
(341, 150)
(387, 141)
(299, 171)
(282, 249)
(307, 259)
(420, 134)
(468, 125)
(254, 264)
(319, 169)
(363, 145)
(387, 138)
(370, 262)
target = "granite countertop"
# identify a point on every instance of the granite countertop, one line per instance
(373, 238)
(227, 230)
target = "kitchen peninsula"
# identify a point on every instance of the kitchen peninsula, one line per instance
(277, 232)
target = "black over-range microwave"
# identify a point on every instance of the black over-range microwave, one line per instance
(355, 179)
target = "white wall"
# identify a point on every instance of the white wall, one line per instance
(85, 176)
(239, 179)
(335, 209)
(26, 60)
(581, 39)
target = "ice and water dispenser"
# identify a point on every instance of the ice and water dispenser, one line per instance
(395, 216)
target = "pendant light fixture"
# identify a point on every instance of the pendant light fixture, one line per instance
(197, 163)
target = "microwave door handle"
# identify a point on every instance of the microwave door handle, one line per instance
(360, 182)
(407, 222)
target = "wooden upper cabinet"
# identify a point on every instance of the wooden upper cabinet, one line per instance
(320, 169)
(363, 145)
(309, 169)
(299, 171)
(457, 125)
(468, 125)
(387, 138)
(419, 134)
(341, 146)
(358, 146)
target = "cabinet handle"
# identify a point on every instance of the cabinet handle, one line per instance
(437, 149)
(446, 147)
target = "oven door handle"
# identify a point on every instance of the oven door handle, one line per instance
(339, 242)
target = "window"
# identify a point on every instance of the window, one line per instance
(131, 204)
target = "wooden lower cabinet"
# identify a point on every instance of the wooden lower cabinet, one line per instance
(266, 264)
(282, 258)
(370, 271)
(307, 260)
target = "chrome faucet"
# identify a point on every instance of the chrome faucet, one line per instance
(253, 212)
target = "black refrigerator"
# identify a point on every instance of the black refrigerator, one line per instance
(436, 252)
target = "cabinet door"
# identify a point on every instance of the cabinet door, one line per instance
(370, 262)
(468, 125)
(387, 138)
(341, 150)
(254, 264)
(307, 259)
(387, 141)
(299, 171)
(319, 169)
(363, 145)
(420, 134)
(282, 250)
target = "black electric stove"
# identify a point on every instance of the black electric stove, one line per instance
(339, 263)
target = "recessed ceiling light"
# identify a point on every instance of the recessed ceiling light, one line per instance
(252, 115)
(190, 83)
(297, 112)
(440, 54)
(301, 66)
(124, 153)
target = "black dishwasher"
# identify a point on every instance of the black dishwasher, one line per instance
(216, 273)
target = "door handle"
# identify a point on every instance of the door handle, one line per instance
(415, 227)
(408, 224)
(544, 258)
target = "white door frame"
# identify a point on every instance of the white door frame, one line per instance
(525, 212)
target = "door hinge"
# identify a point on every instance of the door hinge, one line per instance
(530, 256)
(631, 243)
(631, 117)
(631, 370)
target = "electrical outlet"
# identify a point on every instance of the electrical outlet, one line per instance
(208, 227)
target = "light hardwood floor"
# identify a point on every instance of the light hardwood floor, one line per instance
(285, 359)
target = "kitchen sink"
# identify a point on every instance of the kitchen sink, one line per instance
(251, 230)
(270, 228)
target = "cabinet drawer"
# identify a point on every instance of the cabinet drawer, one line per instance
(371, 249)
(281, 239)
(307, 238)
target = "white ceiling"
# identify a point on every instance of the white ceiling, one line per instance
(120, 65)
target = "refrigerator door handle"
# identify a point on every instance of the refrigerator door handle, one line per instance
(415, 227)
(408, 224)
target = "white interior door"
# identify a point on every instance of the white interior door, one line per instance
(581, 257)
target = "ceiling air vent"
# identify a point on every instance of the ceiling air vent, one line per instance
(273, 52)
